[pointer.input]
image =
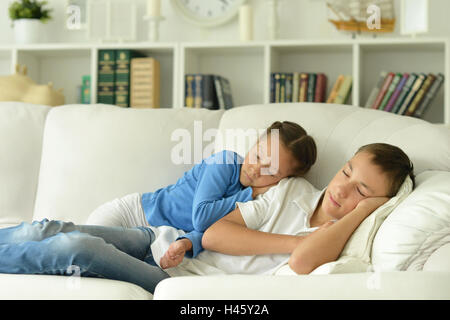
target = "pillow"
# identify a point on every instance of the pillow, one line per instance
(439, 260)
(356, 255)
(418, 227)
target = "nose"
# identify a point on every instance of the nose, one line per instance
(342, 190)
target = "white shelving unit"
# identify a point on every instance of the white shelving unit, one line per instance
(247, 65)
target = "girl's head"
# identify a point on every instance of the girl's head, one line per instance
(284, 150)
(376, 170)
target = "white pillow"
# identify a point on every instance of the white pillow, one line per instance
(355, 257)
(417, 227)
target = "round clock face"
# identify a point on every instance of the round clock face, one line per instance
(207, 13)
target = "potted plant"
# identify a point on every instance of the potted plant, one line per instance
(27, 17)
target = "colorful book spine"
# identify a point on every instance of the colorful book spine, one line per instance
(321, 88)
(335, 89)
(295, 86)
(277, 87)
(405, 90)
(227, 93)
(414, 89)
(209, 98)
(397, 92)
(198, 79)
(390, 91)
(374, 93)
(106, 76)
(282, 87)
(420, 94)
(289, 89)
(122, 77)
(303, 87)
(344, 90)
(189, 91)
(144, 83)
(311, 87)
(429, 96)
(86, 90)
(383, 90)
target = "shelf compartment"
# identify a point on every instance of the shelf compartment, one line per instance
(64, 67)
(427, 57)
(247, 81)
(331, 59)
(6, 62)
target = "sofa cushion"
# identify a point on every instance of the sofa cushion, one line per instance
(339, 130)
(93, 154)
(21, 129)
(49, 287)
(417, 227)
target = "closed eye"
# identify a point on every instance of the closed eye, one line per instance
(359, 191)
(345, 173)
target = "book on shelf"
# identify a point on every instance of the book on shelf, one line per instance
(429, 96)
(122, 76)
(420, 94)
(374, 93)
(343, 93)
(390, 91)
(411, 94)
(85, 89)
(383, 90)
(106, 76)
(404, 92)
(303, 90)
(207, 91)
(321, 87)
(335, 89)
(396, 92)
(297, 87)
(144, 83)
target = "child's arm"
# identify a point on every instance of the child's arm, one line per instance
(326, 244)
(230, 235)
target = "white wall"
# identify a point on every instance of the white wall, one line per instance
(299, 19)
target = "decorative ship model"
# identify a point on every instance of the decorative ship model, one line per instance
(352, 15)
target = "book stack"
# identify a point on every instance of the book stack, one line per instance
(297, 87)
(144, 83)
(114, 79)
(408, 94)
(207, 91)
(340, 92)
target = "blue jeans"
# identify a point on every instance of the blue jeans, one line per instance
(59, 248)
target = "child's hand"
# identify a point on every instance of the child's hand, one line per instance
(175, 254)
(372, 203)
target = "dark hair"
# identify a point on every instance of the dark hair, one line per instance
(393, 161)
(298, 142)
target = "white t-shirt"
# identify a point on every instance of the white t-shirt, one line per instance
(285, 209)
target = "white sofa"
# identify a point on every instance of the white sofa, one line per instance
(63, 162)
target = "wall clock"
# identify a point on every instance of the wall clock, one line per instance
(207, 13)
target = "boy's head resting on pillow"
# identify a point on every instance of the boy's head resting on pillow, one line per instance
(375, 171)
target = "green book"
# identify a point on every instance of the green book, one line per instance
(122, 77)
(86, 90)
(344, 90)
(311, 87)
(390, 91)
(106, 76)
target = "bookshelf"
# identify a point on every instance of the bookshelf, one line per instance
(247, 65)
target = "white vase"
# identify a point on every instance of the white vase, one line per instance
(27, 31)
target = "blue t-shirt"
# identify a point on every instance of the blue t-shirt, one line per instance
(202, 196)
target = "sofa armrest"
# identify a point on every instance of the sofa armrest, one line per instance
(378, 285)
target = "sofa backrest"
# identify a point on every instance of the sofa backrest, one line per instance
(339, 130)
(93, 154)
(21, 129)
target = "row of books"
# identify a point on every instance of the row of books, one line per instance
(408, 94)
(308, 87)
(207, 91)
(127, 78)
